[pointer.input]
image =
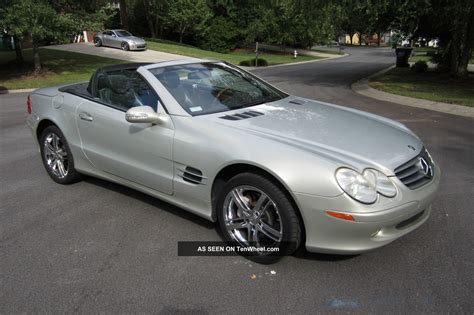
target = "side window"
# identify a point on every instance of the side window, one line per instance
(124, 89)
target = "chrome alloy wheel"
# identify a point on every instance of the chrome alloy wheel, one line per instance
(55, 155)
(252, 218)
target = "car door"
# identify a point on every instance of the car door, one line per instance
(106, 38)
(141, 153)
(115, 40)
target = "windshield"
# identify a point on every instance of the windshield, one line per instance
(123, 33)
(206, 88)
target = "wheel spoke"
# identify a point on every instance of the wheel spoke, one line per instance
(62, 153)
(49, 147)
(61, 169)
(249, 234)
(55, 141)
(269, 231)
(235, 224)
(260, 202)
(255, 239)
(240, 202)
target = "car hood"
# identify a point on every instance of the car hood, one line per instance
(345, 136)
(135, 39)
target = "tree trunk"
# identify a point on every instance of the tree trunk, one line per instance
(36, 57)
(123, 14)
(146, 4)
(378, 38)
(360, 39)
(18, 52)
(181, 35)
(461, 48)
(350, 37)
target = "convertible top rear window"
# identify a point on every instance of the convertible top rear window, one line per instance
(212, 87)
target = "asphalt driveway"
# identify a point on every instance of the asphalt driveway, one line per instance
(115, 53)
(96, 246)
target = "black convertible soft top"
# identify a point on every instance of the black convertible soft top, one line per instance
(85, 89)
(121, 66)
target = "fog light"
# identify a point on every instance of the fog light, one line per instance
(340, 215)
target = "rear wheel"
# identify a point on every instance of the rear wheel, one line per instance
(125, 46)
(255, 212)
(97, 42)
(57, 157)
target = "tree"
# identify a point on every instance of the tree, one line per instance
(186, 15)
(450, 21)
(38, 20)
(123, 14)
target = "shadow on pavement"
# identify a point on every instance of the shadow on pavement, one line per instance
(159, 204)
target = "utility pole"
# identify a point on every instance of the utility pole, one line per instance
(256, 54)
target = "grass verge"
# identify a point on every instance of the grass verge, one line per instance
(433, 86)
(234, 57)
(59, 67)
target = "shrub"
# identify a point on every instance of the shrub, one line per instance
(251, 63)
(219, 35)
(420, 66)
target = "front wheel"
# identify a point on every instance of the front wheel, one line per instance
(125, 46)
(57, 157)
(255, 213)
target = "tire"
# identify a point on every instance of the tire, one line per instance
(125, 46)
(267, 218)
(97, 42)
(57, 157)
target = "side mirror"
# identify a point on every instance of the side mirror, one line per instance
(142, 114)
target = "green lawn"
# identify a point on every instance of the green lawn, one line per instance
(232, 57)
(433, 86)
(60, 67)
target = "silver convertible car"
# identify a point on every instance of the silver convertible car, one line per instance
(275, 170)
(119, 39)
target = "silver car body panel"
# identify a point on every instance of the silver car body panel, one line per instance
(300, 145)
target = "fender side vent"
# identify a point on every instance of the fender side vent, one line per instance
(192, 175)
(243, 115)
(297, 101)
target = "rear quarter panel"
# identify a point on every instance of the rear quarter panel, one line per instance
(60, 109)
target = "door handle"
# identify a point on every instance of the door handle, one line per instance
(85, 116)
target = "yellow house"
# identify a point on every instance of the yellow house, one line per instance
(355, 39)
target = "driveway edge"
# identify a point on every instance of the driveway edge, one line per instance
(362, 87)
(3, 92)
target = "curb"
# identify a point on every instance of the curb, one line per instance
(3, 92)
(362, 87)
(293, 63)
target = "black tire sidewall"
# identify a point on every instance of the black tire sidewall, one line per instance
(97, 42)
(72, 175)
(289, 219)
(125, 46)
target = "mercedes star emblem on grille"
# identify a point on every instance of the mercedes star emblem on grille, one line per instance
(426, 168)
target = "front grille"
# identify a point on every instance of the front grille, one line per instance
(417, 172)
(141, 46)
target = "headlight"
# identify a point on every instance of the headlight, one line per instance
(365, 187)
(356, 185)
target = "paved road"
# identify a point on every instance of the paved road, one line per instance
(115, 53)
(96, 246)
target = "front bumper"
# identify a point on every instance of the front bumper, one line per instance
(137, 46)
(373, 226)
